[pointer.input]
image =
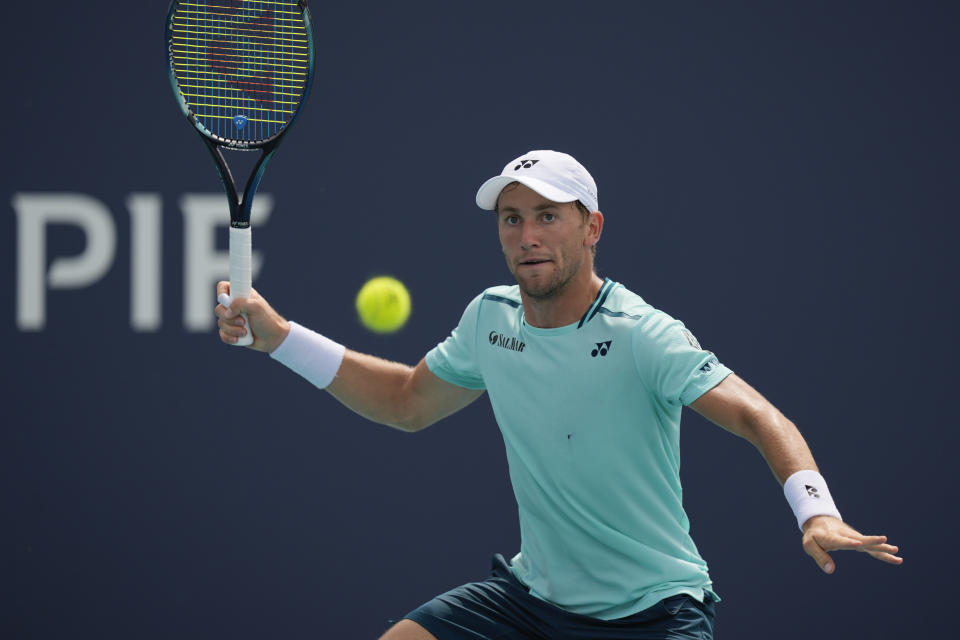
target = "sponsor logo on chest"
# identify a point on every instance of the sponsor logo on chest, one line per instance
(505, 341)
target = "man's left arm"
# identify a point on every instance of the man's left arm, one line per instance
(740, 409)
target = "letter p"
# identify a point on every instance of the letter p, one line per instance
(34, 212)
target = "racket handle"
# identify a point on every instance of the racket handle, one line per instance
(241, 274)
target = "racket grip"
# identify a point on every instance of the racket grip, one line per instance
(241, 274)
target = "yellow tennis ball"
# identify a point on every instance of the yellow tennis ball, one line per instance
(383, 304)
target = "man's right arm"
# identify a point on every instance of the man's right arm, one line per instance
(408, 398)
(394, 394)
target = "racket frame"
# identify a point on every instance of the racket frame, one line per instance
(240, 204)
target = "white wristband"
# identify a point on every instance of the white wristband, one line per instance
(808, 495)
(315, 357)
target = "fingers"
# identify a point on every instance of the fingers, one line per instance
(833, 539)
(876, 546)
(228, 338)
(889, 558)
(817, 542)
(884, 552)
(229, 307)
(268, 328)
(882, 548)
(839, 541)
(232, 325)
(222, 310)
(821, 557)
(231, 328)
(223, 290)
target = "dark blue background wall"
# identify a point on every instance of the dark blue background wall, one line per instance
(781, 176)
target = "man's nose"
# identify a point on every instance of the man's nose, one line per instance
(529, 238)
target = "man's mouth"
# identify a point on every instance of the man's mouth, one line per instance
(533, 261)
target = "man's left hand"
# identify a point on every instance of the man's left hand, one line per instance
(822, 534)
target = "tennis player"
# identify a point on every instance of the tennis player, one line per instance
(587, 382)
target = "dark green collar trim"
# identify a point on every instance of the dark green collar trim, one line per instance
(608, 285)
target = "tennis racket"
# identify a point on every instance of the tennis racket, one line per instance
(241, 71)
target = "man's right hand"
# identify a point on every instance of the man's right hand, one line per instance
(269, 327)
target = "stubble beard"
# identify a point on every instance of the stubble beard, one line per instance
(552, 287)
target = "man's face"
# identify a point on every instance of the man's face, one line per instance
(544, 242)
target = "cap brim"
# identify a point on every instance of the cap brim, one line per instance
(489, 191)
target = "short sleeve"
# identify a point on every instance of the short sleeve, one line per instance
(455, 359)
(671, 362)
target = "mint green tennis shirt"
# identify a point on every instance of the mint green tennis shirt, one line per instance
(590, 416)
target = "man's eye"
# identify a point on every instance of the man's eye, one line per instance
(513, 219)
(549, 217)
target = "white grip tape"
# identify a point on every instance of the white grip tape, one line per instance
(315, 357)
(808, 495)
(241, 273)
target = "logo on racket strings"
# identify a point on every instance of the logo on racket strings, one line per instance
(239, 121)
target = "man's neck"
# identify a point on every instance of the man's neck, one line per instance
(566, 307)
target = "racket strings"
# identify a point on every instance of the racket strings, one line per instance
(241, 66)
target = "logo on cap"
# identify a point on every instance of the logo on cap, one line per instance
(525, 164)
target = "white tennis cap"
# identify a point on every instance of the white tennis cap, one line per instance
(554, 175)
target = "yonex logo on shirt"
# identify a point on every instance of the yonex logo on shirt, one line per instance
(525, 164)
(507, 342)
(602, 349)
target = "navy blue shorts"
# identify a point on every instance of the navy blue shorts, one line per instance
(501, 608)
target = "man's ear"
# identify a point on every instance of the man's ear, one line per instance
(594, 228)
